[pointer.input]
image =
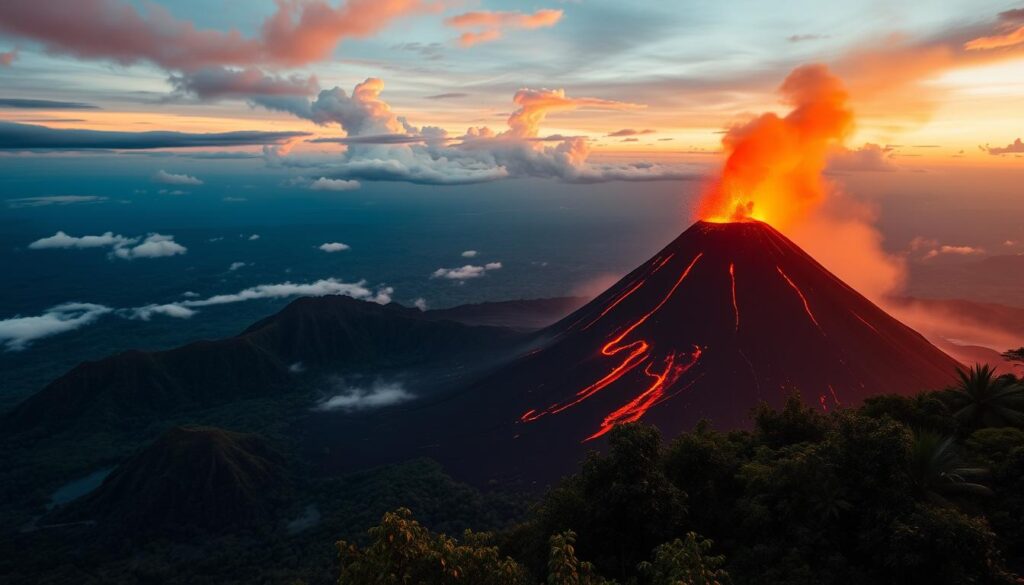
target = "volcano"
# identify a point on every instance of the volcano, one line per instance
(725, 317)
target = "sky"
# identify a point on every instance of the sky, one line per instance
(171, 170)
(454, 92)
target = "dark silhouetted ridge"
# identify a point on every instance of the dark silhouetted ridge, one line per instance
(190, 479)
(331, 332)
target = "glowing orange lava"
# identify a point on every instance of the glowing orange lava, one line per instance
(803, 299)
(735, 305)
(638, 353)
(655, 393)
(774, 164)
(615, 303)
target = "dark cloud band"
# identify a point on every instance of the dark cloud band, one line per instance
(15, 136)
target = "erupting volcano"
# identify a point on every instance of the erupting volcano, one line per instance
(727, 315)
(730, 314)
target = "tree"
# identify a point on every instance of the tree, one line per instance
(685, 562)
(937, 471)
(935, 545)
(1014, 355)
(795, 423)
(563, 566)
(402, 551)
(621, 505)
(981, 399)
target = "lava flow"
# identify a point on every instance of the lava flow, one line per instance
(735, 304)
(803, 299)
(639, 352)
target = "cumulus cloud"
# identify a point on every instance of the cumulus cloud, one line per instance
(470, 254)
(466, 272)
(353, 398)
(420, 303)
(61, 240)
(163, 176)
(334, 247)
(485, 25)
(53, 200)
(325, 184)
(17, 333)
(254, 237)
(1016, 147)
(154, 246)
(15, 136)
(237, 265)
(383, 146)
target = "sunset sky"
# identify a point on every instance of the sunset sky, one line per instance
(653, 83)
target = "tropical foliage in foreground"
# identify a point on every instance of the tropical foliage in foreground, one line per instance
(920, 490)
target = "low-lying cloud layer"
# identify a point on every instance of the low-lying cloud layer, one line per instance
(353, 398)
(466, 272)
(325, 184)
(152, 246)
(48, 200)
(18, 332)
(334, 247)
(166, 178)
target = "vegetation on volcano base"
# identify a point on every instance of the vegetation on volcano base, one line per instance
(902, 490)
(910, 490)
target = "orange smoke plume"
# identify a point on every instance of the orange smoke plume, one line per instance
(773, 172)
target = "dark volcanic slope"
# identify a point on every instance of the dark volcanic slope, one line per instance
(191, 478)
(333, 332)
(724, 317)
(522, 315)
